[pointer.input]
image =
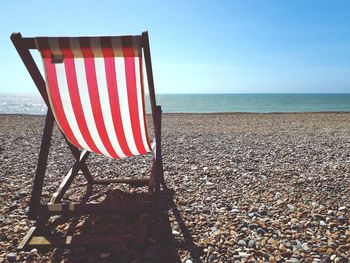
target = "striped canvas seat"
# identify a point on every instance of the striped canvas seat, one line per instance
(95, 89)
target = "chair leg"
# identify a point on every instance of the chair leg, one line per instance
(162, 179)
(152, 178)
(158, 161)
(41, 167)
(157, 182)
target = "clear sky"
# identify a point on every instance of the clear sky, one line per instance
(201, 46)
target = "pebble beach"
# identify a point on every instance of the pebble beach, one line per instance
(246, 188)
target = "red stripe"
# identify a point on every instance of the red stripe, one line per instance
(74, 93)
(130, 75)
(113, 94)
(54, 94)
(94, 95)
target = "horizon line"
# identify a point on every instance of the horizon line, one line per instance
(192, 93)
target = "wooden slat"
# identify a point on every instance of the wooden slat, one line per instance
(57, 196)
(27, 238)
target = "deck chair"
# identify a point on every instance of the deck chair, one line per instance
(94, 91)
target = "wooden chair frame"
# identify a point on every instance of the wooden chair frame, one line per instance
(41, 212)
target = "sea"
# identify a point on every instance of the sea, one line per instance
(207, 103)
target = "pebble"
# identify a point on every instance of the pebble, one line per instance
(305, 247)
(298, 244)
(13, 206)
(242, 243)
(330, 213)
(176, 233)
(211, 258)
(11, 257)
(278, 195)
(291, 207)
(288, 244)
(210, 249)
(105, 255)
(279, 202)
(251, 243)
(33, 251)
(26, 210)
(261, 231)
(242, 254)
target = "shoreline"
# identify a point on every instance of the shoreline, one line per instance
(208, 113)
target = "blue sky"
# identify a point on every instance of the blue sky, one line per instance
(201, 46)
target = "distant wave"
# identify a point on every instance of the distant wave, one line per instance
(260, 103)
(206, 103)
(22, 104)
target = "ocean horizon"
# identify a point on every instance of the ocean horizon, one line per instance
(33, 104)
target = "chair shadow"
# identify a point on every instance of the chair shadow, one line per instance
(159, 244)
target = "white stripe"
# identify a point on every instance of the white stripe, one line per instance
(104, 99)
(65, 98)
(123, 100)
(139, 104)
(85, 98)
